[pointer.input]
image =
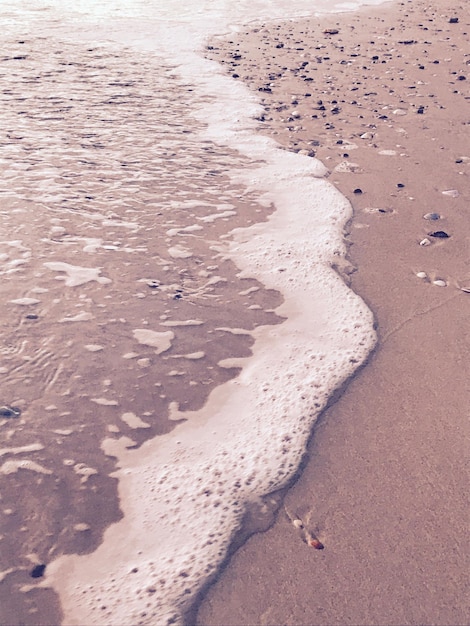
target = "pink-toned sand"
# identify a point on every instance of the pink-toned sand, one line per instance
(386, 484)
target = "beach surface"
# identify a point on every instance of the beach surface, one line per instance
(381, 97)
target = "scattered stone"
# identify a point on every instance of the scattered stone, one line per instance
(331, 31)
(10, 411)
(153, 284)
(400, 185)
(439, 283)
(439, 234)
(432, 216)
(81, 527)
(425, 242)
(453, 20)
(452, 193)
(422, 275)
(358, 191)
(38, 571)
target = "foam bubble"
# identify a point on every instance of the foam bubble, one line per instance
(160, 341)
(76, 275)
(183, 494)
(11, 467)
(134, 421)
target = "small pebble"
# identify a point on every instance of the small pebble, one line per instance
(10, 411)
(421, 275)
(358, 191)
(439, 283)
(432, 216)
(425, 242)
(439, 234)
(38, 571)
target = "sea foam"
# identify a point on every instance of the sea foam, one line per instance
(183, 494)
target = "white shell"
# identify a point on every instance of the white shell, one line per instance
(439, 283)
(425, 242)
(421, 275)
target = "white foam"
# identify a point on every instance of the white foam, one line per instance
(182, 323)
(183, 494)
(32, 447)
(179, 252)
(11, 467)
(83, 316)
(160, 341)
(76, 275)
(193, 356)
(215, 216)
(25, 301)
(104, 401)
(134, 421)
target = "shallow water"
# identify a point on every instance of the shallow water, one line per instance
(122, 308)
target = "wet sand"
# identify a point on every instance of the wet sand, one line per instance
(384, 103)
(106, 235)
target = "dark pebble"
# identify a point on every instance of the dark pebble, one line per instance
(38, 571)
(32, 316)
(10, 411)
(358, 191)
(420, 110)
(461, 78)
(440, 234)
(453, 20)
(400, 185)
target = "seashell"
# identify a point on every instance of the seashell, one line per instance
(421, 275)
(439, 283)
(315, 543)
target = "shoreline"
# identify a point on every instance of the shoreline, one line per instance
(384, 486)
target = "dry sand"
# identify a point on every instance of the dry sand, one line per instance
(385, 485)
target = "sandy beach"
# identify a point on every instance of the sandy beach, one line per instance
(381, 97)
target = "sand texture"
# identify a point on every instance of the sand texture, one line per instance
(384, 103)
